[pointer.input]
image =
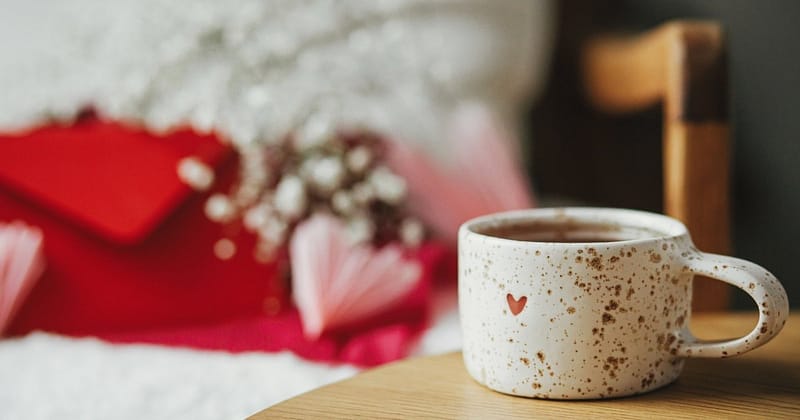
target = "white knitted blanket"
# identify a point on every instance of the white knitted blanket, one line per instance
(45, 376)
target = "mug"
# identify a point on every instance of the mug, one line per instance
(560, 317)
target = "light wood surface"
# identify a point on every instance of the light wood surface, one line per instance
(682, 65)
(764, 383)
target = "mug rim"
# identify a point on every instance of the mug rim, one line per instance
(664, 226)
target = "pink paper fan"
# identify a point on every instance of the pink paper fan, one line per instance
(21, 264)
(485, 177)
(485, 160)
(336, 284)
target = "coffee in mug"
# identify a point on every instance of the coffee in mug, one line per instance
(583, 303)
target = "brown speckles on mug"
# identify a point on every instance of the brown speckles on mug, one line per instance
(596, 263)
(648, 380)
(612, 365)
(610, 317)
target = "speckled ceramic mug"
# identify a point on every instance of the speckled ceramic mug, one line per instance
(582, 320)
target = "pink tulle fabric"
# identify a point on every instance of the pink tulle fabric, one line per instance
(485, 176)
(21, 264)
(336, 283)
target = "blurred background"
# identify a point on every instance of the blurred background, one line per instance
(581, 153)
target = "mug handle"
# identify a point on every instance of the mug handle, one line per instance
(760, 284)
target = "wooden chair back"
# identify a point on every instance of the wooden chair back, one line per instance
(682, 65)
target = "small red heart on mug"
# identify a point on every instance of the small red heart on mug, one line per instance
(516, 305)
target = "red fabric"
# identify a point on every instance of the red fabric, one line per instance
(130, 252)
(108, 267)
(117, 181)
(382, 339)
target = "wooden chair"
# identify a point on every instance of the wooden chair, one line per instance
(682, 65)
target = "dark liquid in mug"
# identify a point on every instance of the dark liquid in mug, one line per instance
(566, 232)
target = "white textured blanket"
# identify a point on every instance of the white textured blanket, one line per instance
(44, 376)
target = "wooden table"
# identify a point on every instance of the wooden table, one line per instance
(764, 383)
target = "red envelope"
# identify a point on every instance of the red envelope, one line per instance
(127, 244)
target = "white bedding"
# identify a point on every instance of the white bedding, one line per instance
(46, 376)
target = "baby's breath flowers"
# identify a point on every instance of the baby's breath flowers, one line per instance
(318, 170)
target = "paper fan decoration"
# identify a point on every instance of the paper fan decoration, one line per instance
(336, 283)
(485, 176)
(21, 264)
